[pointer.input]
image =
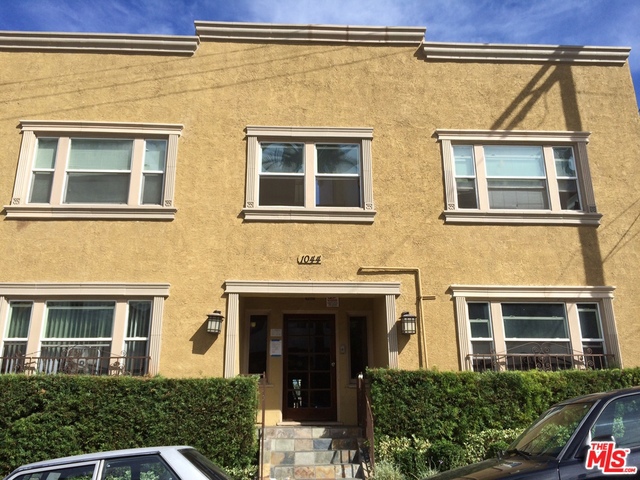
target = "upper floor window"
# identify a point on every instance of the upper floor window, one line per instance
(523, 328)
(517, 177)
(88, 170)
(309, 174)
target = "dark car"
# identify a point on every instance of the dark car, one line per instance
(593, 436)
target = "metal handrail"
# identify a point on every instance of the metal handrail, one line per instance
(74, 365)
(365, 420)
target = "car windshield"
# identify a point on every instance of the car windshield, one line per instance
(551, 432)
(202, 463)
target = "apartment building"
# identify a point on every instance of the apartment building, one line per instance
(302, 202)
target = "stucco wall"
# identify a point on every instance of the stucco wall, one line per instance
(226, 86)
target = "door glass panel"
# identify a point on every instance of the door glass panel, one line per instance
(320, 381)
(309, 367)
(320, 399)
(320, 362)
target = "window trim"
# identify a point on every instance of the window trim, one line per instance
(587, 216)
(31, 129)
(40, 293)
(253, 212)
(497, 294)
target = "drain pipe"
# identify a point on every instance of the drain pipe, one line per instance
(422, 341)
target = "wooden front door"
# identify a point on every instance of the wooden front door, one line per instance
(309, 362)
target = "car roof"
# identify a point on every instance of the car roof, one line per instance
(87, 457)
(601, 395)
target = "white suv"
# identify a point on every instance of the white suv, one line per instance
(153, 463)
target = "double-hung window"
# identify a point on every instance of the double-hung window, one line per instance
(309, 174)
(523, 328)
(517, 177)
(89, 170)
(96, 329)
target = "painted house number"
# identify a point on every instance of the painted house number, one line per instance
(309, 259)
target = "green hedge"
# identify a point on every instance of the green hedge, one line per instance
(48, 416)
(438, 418)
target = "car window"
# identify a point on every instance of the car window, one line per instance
(84, 472)
(620, 420)
(146, 467)
(551, 432)
(202, 463)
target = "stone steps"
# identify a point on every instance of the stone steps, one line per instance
(307, 453)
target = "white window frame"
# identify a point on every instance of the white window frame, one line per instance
(588, 215)
(120, 293)
(495, 295)
(309, 212)
(65, 131)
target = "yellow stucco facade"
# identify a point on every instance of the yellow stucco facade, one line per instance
(213, 258)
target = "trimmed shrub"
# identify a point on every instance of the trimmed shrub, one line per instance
(468, 416)
(49, 416)
(488, 443)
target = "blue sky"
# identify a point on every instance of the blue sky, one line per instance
(550, 22)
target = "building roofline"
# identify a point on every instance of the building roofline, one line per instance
(301, 33)
(98, 43)
(525, 53)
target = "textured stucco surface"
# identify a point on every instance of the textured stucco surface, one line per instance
(226, 86)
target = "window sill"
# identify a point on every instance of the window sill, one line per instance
(89, 212)
(315, 215)
(521, 217)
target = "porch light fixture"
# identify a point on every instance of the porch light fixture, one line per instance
(408, 323)
(214, 322)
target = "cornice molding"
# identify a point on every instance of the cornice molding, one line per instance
(305, 132)
(531, 292)
(128, 128)
(98, 43)
(300, 33)
(286, 288)
(513, 53)
(95, 289)
(511, 135)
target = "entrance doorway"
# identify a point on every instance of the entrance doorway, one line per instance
(309, 362)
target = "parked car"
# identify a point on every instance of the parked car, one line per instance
(593, 436)
(154, 463)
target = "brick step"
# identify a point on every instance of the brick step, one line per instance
(302, 453)
(311, 432)
(303, 472)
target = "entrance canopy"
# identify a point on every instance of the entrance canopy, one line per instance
(234, 289)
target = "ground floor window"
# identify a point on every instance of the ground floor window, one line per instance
(524, 328)
(94, 330)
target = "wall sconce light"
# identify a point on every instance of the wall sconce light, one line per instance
(214, 322)
(408, 323)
